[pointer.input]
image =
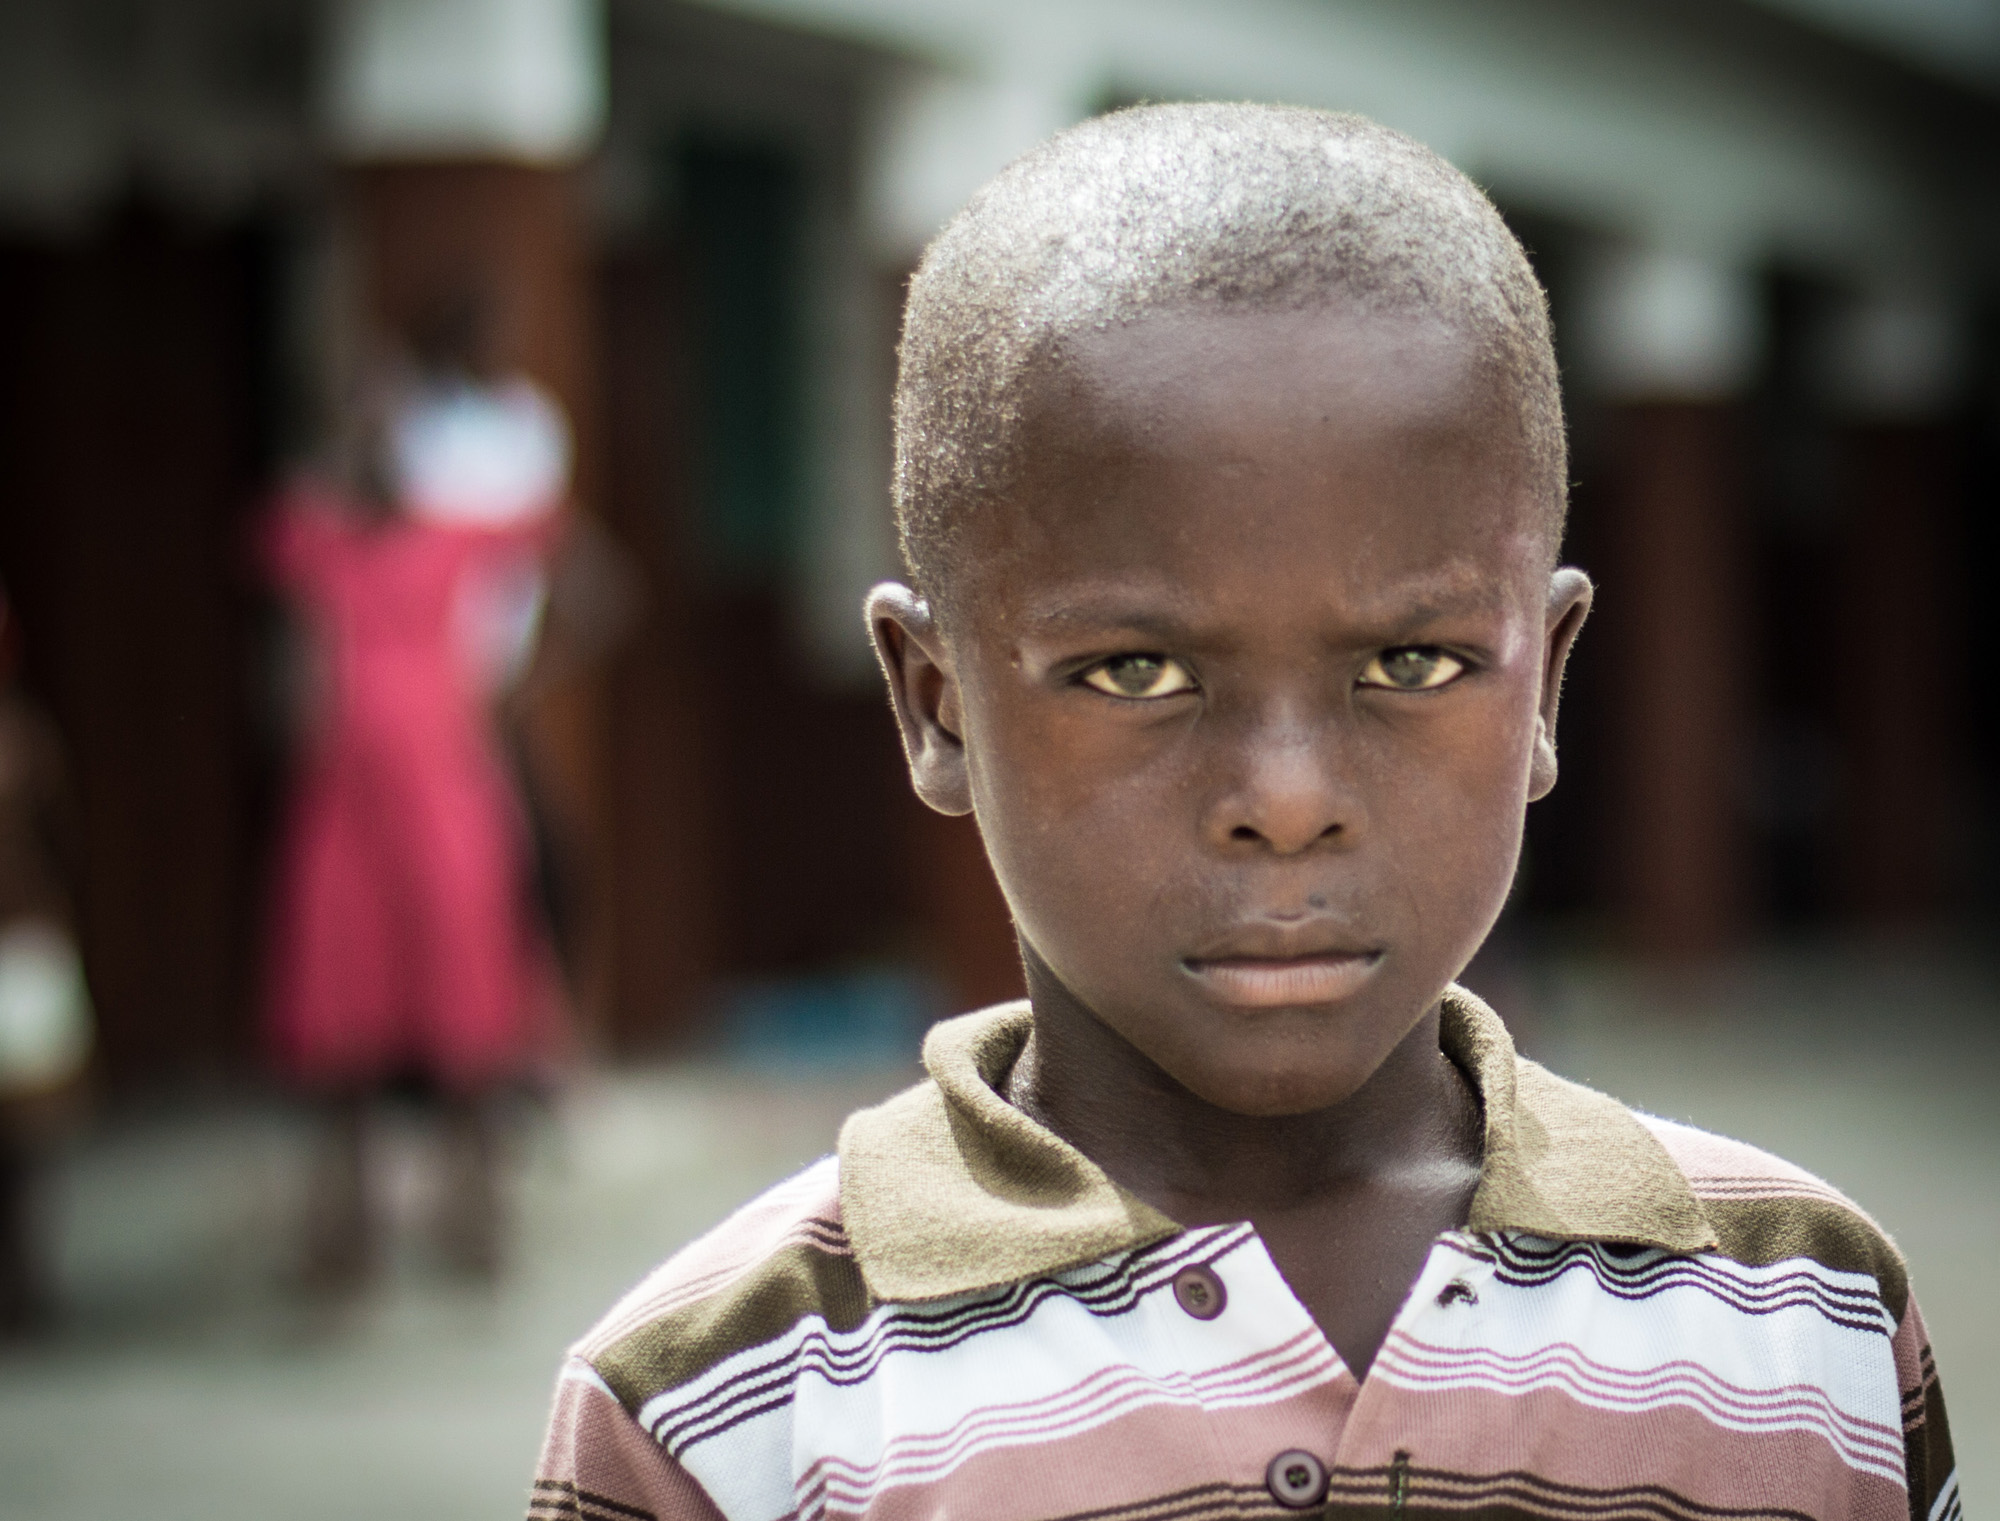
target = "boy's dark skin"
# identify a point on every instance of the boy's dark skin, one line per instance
(1241, 895)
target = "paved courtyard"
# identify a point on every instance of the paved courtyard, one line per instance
(186, 1384)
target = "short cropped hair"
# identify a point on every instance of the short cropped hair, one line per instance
(1248, 207)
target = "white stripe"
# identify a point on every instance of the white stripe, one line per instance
(577, 1371)
(1863, 1446)
(923, 1457)
(1776, 1353)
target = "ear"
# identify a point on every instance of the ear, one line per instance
(1570, 592)
(924, 692)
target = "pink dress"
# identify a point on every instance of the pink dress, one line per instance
(404, 942)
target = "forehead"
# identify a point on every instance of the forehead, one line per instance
(1268, 456)
(1337, 361)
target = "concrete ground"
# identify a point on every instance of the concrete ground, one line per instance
(186, 1383)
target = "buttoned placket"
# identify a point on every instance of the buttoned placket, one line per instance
(1220, 1298)
(1443, 1304)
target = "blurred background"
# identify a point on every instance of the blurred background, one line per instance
(1763, 898)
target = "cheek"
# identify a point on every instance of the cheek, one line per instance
(1475, 764)
(1451, 816)
(1065, 801)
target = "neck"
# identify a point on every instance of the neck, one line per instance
(1415, 1120)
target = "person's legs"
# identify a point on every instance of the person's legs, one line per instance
(340, 1243)
(25, 1300)
(471, 1223)
(472, 985)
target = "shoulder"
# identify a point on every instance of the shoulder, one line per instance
(782, 1259)
(1564, 1162)
(1764, 1210)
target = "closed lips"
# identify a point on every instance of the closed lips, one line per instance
(1282, 981)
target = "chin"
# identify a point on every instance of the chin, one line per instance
(1274, 1091)
(1269, 1063)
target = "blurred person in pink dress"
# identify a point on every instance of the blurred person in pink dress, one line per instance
(405, 948)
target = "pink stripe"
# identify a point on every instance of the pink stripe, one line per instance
(1427, 1356)
(1886, 1461)
(1548, 1432)
(1706, 1159)
(1678, 1382)
(1270, 1375)
(1704, 1189)
(677, 1296)
(593, 1444)
(1672, 1374)
(801, 1209)
(906, 1462)
(1141, 1455)
(1860, 1446)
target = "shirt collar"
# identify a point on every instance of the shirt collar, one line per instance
(947, 1188)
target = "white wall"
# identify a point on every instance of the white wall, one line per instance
(523, 79)
(1595, 113)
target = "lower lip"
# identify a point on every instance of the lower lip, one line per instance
(1290, 983)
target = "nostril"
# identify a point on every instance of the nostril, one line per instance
(1243, 832)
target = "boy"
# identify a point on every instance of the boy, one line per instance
(1230, 473)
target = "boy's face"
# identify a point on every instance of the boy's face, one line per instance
(1249, 685)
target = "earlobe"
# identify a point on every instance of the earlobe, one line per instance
(923, 691)
(1542, 764)
(1570, 593)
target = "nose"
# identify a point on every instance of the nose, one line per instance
(1288, 791)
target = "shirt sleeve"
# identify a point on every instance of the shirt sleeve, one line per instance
(1933, 1471)
(598, 1464)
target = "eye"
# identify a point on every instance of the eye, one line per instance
(1413, 668)
(1141, 676)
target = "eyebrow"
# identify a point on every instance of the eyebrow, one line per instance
(1420, 600)
(1087, 616)
(1447, 590)
(1446, 605)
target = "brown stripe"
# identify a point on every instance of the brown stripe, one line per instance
(1499, 1497)
(1443, 1492)
(1207, 1502)
(1927, 1447)
(1459, 1437)
(795, 1282)
(1760, 1232)
(561, 1500)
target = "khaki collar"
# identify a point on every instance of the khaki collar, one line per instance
(947, 1188)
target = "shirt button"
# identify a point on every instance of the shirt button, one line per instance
(1296, 1479)
(1200, 1292)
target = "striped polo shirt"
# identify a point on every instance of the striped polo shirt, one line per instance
(961, 1316)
